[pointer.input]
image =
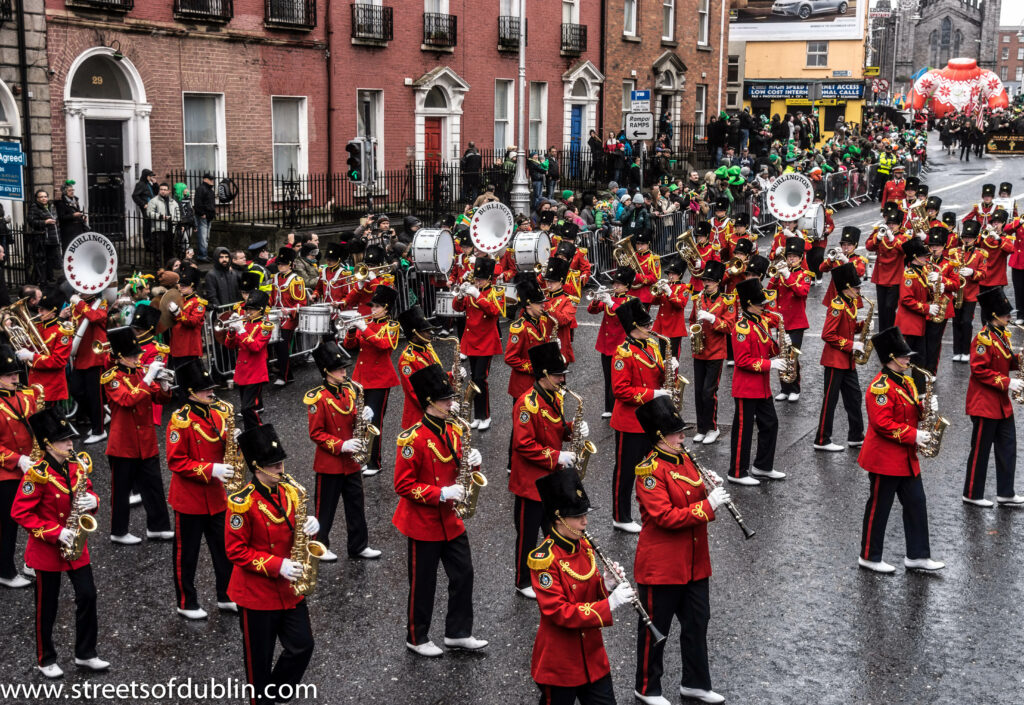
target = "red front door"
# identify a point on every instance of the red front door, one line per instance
(432, 156)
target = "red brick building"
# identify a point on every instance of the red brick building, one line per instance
(1010, 59)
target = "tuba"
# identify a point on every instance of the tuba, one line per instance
(305, 552)
(686, 246)
(90, 266)
(625, 254)
(21, 330)
(789, 196)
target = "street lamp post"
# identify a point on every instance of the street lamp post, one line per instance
(520, 196)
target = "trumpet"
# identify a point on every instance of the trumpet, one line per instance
(362, 272)
(775, 266)
(661, 287)
(833, 254)
(735, 267)
(220, 326)
(597, 293)
(347, 322)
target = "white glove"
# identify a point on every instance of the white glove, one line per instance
(718, 497)
(371, 276)
(933, 310)
(367, 414)
(173, 308)
(923, 437)
(661, 393)
(455, 407)
(673, 364)
(222, 472)
(311, 527)
(611, 579)
(86, 503)
(933, 403)
(360, 283)
(621, 595)
(566, 458)
(966, 271)
(890, 236)
(784, 272)
(151, 371)
(858, 346)
(25, 462)
(25, 355)
(464, 372)
(717, 478)
(237, 326)
(360, 324)
(472, 291)
(921, 235)
(67, 537)
(584, 429)
(706, 316)
(290, 570)
(843, 258)
(933, 277)
(996, 235)
(558, 342)
(75, 298)
(475, 459)
(453, 492)
(778, 363)
(1015, 385)
(606, 299)
(352, 445)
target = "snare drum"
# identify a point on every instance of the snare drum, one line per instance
(532, 247)
(511, 293)
(275, 316)
(432, 251)
(443, 305)
(315, 319)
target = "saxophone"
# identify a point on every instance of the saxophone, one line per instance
(579, 445)
(471, 480)
(789, 353)
(862, 357)
(232, 455)
(79, 522)
(932, 422)
(465, 389)
(956, 258)
(1018, 396)
(304, 552)
(672, 382)
(697, 329)
(937, 297)
(361, 428)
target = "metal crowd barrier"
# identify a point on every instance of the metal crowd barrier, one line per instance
(223, 359)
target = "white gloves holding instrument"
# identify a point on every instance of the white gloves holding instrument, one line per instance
(966, 271)
(455, 493)
(311, 527)
(605, 298)
(778, 364)
(621, 595)
(290, 570)
(612, 579)
(890, 236)
(360, 324)
(858, 346)
(718, 497)
(25, 462)
(67, 537)
(933, 309)
(222, 472)
(25, 355)
(922, 438)
(472, 291)
(566, 458)
(1015, 385)
(237, 326)
(475, 459)
(173, 308)
(152, 370)
(352, 445)
(367, 414)
(584, 429)
(661, 393)
(86, 503)
(933, 277)
(706, 316)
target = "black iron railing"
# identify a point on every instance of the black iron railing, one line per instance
(508, 32)
(574, 39)
(372, 22)
(113, 5)
(291, 14)
(204, 10)
(440, 30)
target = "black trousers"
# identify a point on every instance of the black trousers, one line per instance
(8, 529)
(87, 391)
(689, 603)
(530, 523)
(600, 692)
(965, 148)
(606, 370)
(479, 369)
(142, 475)
(988, 432)
(1017, 277)
(918, 344)
(261, 630)
(377, 400)
(884, 488)
(747, 413)
(845, 383)
(189, 530)
(281, 353)
(348, 488)
(457, 560)
(963, 322)
(888, 300)
(47, 603)
(251, 396)
(933, 333)
(706, 377)
(797, 336)
(630, 449)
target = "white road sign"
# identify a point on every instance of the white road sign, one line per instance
(640, 126)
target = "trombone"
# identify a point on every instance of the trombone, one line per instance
(362, 272)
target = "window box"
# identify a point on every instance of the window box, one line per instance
(372, 23)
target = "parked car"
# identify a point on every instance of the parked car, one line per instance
(805, 8)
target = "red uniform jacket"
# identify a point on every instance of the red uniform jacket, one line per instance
(562, 307)
(96, 331)
(50, 370)
(671, 319)
(460, 267)
(861, 263)
(481, 337)
(981, 212)
(894, 191)
(638, 370)
(778, 247)
(650, 272)
(413, 359)
(258, 535)
(507, 266)
(538, 431)
(132, 433)
(289, 292)
(839, 333)
(977, 259)
(998, 248)
(674, 511)
(359, 298)
(15, 435)
(888, 270)
(992, 360)
(569, 649)
(523, 334)
(707, 252)
(1016, 228)
(42, 506)
(195, 441)
(893, 412)
(374, 369)
(332, 415)
(427, 460)
(792, 297)
(753, 348)
(610, 335)
(251, 343)
(715, 334)
(722, 235)
(332, 287)
(187, 331)
(915, 300)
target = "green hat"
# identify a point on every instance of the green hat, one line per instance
(673, 187)
(566, 194)
(735, 180)
(734, 171)
(722, 172)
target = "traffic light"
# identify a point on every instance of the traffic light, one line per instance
(356, 156)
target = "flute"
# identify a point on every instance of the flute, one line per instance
(709, 480)
(656, 635)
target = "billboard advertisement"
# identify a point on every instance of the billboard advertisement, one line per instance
(784, 20)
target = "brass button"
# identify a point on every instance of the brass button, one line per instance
(271, 545)
(687, 493)
(61, 515)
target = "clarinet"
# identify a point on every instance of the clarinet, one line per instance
(656, 635)
(709, 480)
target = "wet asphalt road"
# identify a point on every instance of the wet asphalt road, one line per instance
(793, 618)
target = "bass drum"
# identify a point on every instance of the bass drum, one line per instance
(433, 251)
(813, 221)
(531, 248)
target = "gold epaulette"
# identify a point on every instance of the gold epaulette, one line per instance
(743, 326)
(457, 429)
(179, 419)
(984, 338)
(38, 474)
(161, 348)
(530, 402)
(729, 298)
(646, 466)
(880, 386)
(984, 253)
(582, 250)
(517, 326)
(838, 303)
(623, 350)
(771, 294)
(108, 375)
(542, 556)
(201, 301)
(239, 502)
(267, 325)
(313, 395)
(407, 436)
(574, 299)
(84, 461)
(66, 328)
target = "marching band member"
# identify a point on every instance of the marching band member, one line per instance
(428, 486)
(839, 335)
(17, 404)
(786, 230)
(638, 371)
(579, 266)
(716, 313)
(650, 268)
(288, 294)
(187, 330)
(462, 270)
(988, 404)
(848, 242)
(261, 531)
(533, 327)
(374, 369)
(50, 370)
(819, 242)
(915, 298)
(360, 296)
(948, 281)
(419, 353)
(998, 245)
(722, 228)
(931, 209)
(756, 354)
(792, 284)
(973, 261)
(889, 455)
(560, 305)
(567, 252)
(576, 600)
(705, 249)
(332, 287)
(888, 270)
(983, 211)
(742, 251)
(671, 318)
(673, 564)
(1005, 192)
(332, 418)
(144, 321)
(132, 447)
(538, 431)
(950, 221)
(196, 440)
(740, 232)
(483, 305)
(88, 365)
(911, 184)
(250, 337)
(610, 335)
(46, 498)
(1016, 262)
